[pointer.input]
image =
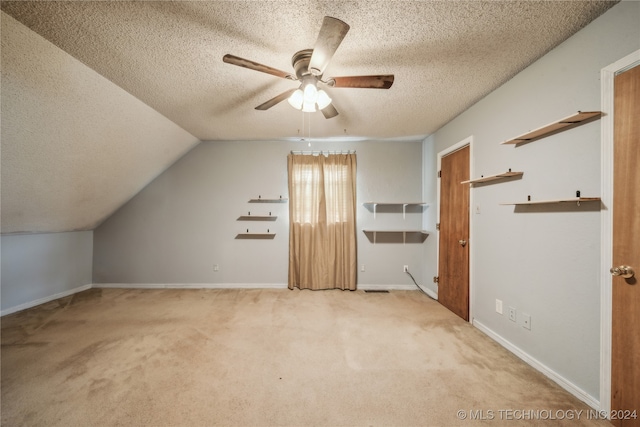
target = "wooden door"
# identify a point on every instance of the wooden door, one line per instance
(453, 265)
(625, 351)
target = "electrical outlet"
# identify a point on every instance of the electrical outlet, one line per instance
(216, 267)
(405, 269)
(362, 267)
(512, 314)
(499, 306)
(526, 321)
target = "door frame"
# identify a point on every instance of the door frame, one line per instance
(607, 75)
(468, 141)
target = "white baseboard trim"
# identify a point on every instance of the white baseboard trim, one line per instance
(369, 287)
(429, 292)
(239, 286)
(31, 304)
(44, 300)
(536, 364)
(191, 285)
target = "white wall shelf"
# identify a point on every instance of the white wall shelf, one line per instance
(396, 236)
(496, 177)
(420, 235)
(577, 200)
(580, 118)
(404, 205)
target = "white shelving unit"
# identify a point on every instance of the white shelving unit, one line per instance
(422, 235)
(415, 236)
(404, 205)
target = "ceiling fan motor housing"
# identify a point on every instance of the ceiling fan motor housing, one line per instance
(300, 62)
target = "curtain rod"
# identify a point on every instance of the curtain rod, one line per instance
(317, 153)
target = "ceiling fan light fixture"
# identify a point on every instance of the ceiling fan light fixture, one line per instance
(310, 93)
(323, 99)
(309, 107)
(309, 66)
(296, 99)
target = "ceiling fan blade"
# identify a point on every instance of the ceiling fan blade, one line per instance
(275, 100)
(241, 62)
(331, 34)
(365, 82)
(329, 111)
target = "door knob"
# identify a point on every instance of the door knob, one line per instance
(624, 271)
(462, 242)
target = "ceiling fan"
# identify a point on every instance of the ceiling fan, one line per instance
(309, 66)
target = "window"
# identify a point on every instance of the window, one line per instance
(322, 205)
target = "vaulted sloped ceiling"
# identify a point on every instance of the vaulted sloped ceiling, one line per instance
(115, 91)
(75, 146)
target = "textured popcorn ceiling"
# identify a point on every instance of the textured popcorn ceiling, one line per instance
(115, 91)
(445, 56)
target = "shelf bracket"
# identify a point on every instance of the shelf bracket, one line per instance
(375, 206)
(404, 211)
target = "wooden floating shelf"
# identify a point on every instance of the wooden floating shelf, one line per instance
(257, 218)
(577, 200)
(280, 200)
(582, 117)
(263, 236)
(493, 177)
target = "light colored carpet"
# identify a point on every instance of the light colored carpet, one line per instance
(261, 358)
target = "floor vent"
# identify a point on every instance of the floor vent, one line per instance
(377, 291)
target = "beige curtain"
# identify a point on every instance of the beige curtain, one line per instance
(322, 221)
